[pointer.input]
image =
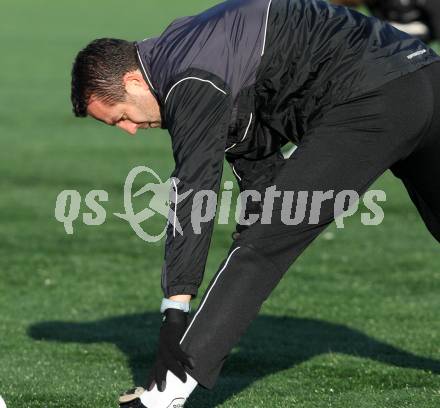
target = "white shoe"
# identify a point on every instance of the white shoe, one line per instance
(138, 398)
(174, 395)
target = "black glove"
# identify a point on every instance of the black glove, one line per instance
(170, 356)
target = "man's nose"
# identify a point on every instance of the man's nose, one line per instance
(128, 127)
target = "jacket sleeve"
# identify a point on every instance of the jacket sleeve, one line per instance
(197, 113)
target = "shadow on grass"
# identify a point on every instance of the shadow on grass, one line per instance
(271, 344)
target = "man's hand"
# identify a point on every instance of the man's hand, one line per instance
(170, 356)
(181, 298)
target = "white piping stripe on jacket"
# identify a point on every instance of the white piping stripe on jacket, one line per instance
(198, 79)
(209, 291)
(265, 29)
(175, 208)
(236, 174)
(245, 134)
(145, 71)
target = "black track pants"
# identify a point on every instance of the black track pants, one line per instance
(396, 127)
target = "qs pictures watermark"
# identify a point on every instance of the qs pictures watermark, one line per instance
(175, 202)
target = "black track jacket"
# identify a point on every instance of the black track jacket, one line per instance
(242, 79)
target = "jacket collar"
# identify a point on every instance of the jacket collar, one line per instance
(144, 51)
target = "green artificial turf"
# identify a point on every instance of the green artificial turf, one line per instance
(354, 323)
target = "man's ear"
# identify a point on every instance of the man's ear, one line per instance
(134, 82)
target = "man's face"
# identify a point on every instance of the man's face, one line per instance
(140, 109)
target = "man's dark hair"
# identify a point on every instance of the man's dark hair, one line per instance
(98, 70)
